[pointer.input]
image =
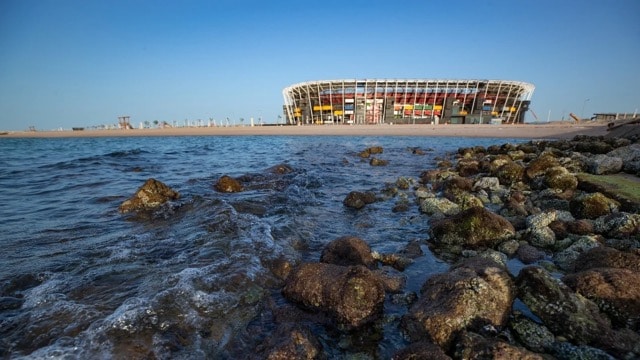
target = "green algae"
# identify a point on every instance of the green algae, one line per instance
(622, 187)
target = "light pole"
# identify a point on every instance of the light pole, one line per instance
(583, 105)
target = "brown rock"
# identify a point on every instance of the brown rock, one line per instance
(540, 165)
(291, 341)
(473, 346)
(616, 291)
(227, 184)
(358, 199)
(606, 257)
(378, 162)
(347, 251)
(422, 350)
(353, 295)
(151, 194)
(473, 294)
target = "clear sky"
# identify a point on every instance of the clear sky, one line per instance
(67, 63)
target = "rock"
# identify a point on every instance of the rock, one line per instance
(616, 291)
(618, 225)
(475, 227)
(358, 199)
(593, 146)
(474, 293)
(422, 350)
(346, 251)
(434, 206)
(510, 173)
(560, 178)
(559, 308)
(392, 280)
(580, 227)
(630, 156)
(468, 167)
(280, 169)
(353, 295)
(566, 258)
(542, 237)
(291, 341)
(533, 336)
(529, 254)
(378, 162)
(539, 166)
(606, 257)
(486, 183)
(474, 346)
(592, 205)
(396, 261)
(603, 164)
(150, 195)
(371, 150)
(227, 184)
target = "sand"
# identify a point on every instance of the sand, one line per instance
(524, 131)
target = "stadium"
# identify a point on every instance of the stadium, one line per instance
(417, 101)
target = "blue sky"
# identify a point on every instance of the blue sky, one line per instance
(70, 63)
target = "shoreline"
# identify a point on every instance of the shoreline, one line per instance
(523, 131)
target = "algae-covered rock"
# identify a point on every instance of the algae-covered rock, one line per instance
(474, 227)
(474, 293)
(560, 309)
(473, 346)
(539, 166)
(227, 184)
(150, 195)
(560, 178)
(592, 206)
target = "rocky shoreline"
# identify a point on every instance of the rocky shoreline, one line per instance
(543, 259)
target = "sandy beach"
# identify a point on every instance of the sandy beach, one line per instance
(528, 131)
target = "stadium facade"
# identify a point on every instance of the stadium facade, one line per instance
(404, 101)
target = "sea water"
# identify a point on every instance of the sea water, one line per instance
(78, 279)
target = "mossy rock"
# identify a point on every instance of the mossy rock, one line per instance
(623, 188)
(592, 206)
(510, 173)
(540, 165)
(474, 227)
(560, 178)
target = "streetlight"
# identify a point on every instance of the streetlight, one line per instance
(583, 105)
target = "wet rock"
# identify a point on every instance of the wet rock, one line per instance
(475, 227)
(378, 162)
(616, 291)
(606, 257)
(348, 250)
(422, 350)
(533, 336)
(227, 184)
(396, 261)
(358, 199)
(566, 350)
(10, 303)
(603, 164)
(474, 346)
(393, 281)
(370, 151)
(542, 237)
(474, 293)
(291, 341)
(150, 195)
(559, 308)
(280, 169)
(436, 177)
(353, 295)
(592, 206)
